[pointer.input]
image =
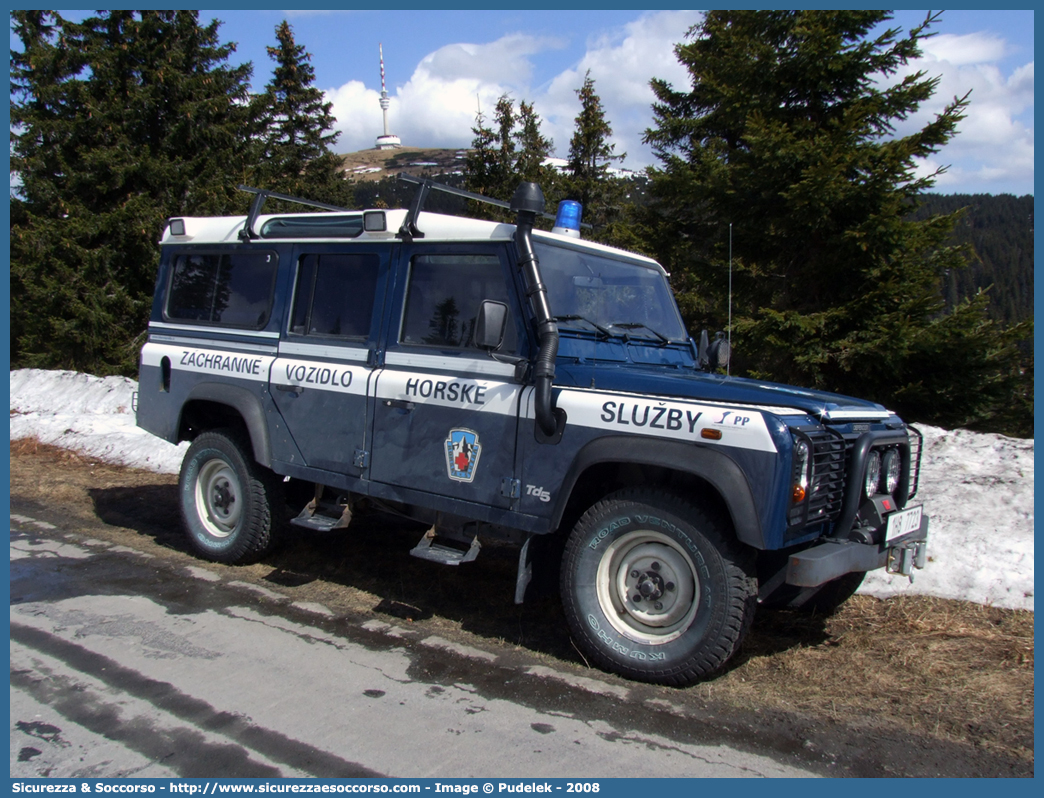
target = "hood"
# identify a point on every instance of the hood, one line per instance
(685, 383)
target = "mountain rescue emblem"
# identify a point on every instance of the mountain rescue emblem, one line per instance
(462, 454)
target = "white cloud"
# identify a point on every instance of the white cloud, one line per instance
(993, 149)
(973, 48)
(358, 115)
(621, 63)
(505, 61)
(437, 106)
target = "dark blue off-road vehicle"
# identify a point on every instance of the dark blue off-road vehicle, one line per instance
(499, 382)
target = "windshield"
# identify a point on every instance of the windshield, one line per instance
(592, 292)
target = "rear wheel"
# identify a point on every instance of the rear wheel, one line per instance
(228, 502)
(655, 589)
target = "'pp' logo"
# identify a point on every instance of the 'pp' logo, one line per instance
(462, 454)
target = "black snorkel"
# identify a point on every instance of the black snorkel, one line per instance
(527, 202)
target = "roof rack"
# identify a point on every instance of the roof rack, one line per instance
(261, 194)
(408, 230)
(409, 225)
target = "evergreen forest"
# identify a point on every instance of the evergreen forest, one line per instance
(999, 232)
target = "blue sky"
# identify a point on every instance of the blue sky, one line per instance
(441, 66)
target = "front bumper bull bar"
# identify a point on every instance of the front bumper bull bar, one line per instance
(825, 561)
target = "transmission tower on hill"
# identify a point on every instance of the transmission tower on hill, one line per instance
(388, 141)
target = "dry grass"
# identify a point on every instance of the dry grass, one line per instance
(952, 669)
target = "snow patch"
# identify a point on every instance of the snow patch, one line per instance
(977, 489)
(91, 415)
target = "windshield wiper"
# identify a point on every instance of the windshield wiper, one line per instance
(598, 327)
(637, 325)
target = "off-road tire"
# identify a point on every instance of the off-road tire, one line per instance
(696, 582)
(230, 505)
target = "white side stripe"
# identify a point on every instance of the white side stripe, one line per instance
(159, 325)
(354, 354)
(449, 363)
(209, 343)
(630, 414)
(239, 365)
(484, 396)
(322, 376)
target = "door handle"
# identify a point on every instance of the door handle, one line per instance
(294, 389)
(400, 403)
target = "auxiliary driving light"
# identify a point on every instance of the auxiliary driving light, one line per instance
(873, 473)
(890, 467)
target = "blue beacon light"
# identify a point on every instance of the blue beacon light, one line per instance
(567, 220)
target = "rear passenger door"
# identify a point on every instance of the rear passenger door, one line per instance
(320, 379)
(446, 413)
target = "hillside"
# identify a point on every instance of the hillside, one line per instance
(999, 230)
(373, 165)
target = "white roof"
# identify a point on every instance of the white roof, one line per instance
(435, 226)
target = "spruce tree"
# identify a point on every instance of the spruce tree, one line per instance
(513, 150)
(118, 123)
(480, 162)
(590, 151)
(533, 149)
(294, 129)
(505, 161)
(785, 136)
(591, 154)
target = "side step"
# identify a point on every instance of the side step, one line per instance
(321, 517)
(445, 550)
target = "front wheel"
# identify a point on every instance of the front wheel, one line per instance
(655, 589)
(229, 504)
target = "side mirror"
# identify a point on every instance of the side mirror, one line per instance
(490, 325)
(719, 352)
(714, 354)
(702, 355)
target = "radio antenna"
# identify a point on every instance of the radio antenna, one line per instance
(728, 365)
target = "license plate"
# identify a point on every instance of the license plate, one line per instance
(903, 523)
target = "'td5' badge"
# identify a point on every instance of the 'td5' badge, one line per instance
(462, 454)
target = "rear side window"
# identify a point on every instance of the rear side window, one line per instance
(443, 298)
(233, 289)
(334, 295)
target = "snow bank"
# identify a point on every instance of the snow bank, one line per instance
(977, 488)
(88, 414)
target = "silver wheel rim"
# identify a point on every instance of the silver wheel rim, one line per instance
(219, 498)
(647, 587)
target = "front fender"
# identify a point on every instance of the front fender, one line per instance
(710, 465)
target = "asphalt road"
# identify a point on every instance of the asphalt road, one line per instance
(126, 665)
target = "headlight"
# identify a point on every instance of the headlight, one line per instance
(890, 467)
(873, 473)
(800, 479)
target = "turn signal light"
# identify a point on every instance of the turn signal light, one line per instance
(798, 495)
